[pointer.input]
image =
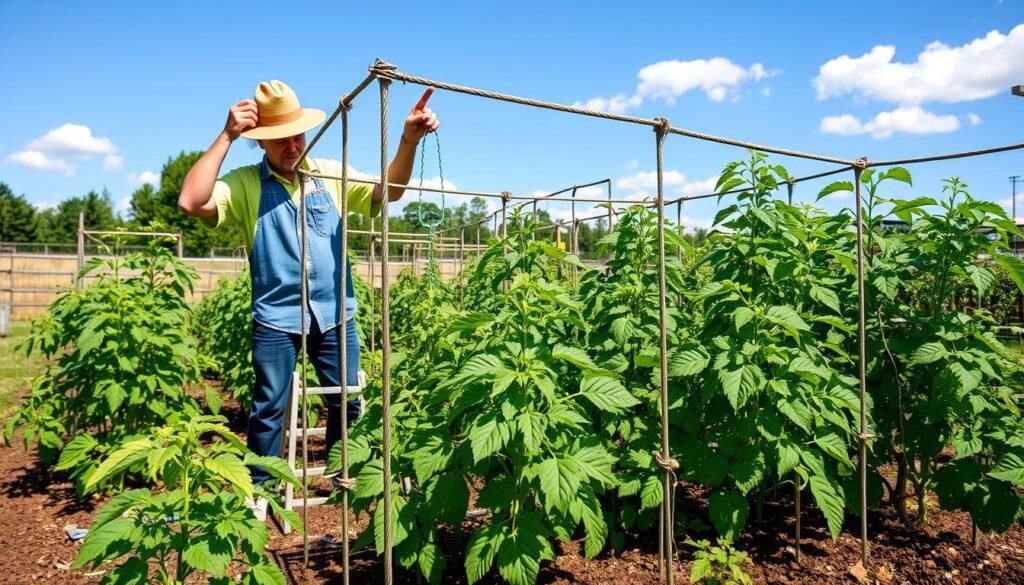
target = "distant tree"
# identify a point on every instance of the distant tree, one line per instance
(17, 217)
(159, 210)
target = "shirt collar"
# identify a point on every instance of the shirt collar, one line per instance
(266, 171)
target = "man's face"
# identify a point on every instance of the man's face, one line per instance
(284, 152)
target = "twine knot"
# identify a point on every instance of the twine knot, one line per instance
(669, 463)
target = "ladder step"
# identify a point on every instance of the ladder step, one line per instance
(322, 390)
(310, 502)
(313, 432)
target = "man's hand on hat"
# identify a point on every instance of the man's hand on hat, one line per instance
(241, 117)
(420, 120)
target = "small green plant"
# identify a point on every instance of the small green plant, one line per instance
(123, 355)
(718, 565)
(201, 524)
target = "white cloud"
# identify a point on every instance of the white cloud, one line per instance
(144, 177)
(633, 164)
(73, 139)
(39, 161)
(50, 152)
(615, 105)
(41, 206)
(982, 68)
(112, 162)
(649, 180)
(973, 119)
(705, 187)
(906, 120)
(1008, 204)
(719, 78)
(766, 91)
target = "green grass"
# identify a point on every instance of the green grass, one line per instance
(15, 369)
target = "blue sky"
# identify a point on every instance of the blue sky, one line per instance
(101, 94)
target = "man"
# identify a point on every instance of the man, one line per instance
(264, 200)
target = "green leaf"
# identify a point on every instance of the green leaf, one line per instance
(836, 187)
(899, 174)
(829, 498)
(833, 445)
(930, 352)
(728, 510)
(118, 505)
(265, 572)
(593, 524)
(519, 555)
(469, 322)
(559, 481)
(687, 362)
(134, 571)
(432, 563)
(739, 385)
(487, 436)
(531, 426)
(1014, 267)
(481, 550)
(596, 463)
(108, 541)
(448, 498)
(1010, 468)
(787, 318)
(749, 471)
(129, 454)
(789, 456)
(741, 316)
(575, 356)
(827, 297)
(210, 554)
(401, 521)
(275, 466)
(228, 467)
(607, 393)
(370, 481)
(652, 493)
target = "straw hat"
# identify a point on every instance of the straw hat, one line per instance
(280, 114)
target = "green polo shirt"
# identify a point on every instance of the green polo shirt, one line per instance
(237, 194)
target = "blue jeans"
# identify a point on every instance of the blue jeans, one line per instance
(274, 355)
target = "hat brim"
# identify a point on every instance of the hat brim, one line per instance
(309, 119)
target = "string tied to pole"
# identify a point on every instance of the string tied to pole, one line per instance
(429, 220)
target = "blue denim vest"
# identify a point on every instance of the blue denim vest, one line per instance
(275, 259)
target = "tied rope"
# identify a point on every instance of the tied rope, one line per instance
(431, 223)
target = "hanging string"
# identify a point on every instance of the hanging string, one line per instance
(425, 219)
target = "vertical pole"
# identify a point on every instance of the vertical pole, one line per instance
(343, 343)
(796, 497)
(181, 246)
(790, 186)
(661, 131)
(304, 308)
(534, 234)
(679, 228)
(385, 331)
(861, 299)
(572, 241)
(81, 249)
(373, 296)
(504, 214)
(478, 238)
(462, 263)
(609, 206)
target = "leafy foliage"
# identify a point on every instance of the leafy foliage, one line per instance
(201, 524)
(123, 355)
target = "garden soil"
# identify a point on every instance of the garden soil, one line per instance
(37, 504)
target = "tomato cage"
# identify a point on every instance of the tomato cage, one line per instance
(385, 73)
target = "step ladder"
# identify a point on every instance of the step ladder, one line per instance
(293, 432)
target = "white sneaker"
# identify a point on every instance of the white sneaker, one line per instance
(258, 507)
